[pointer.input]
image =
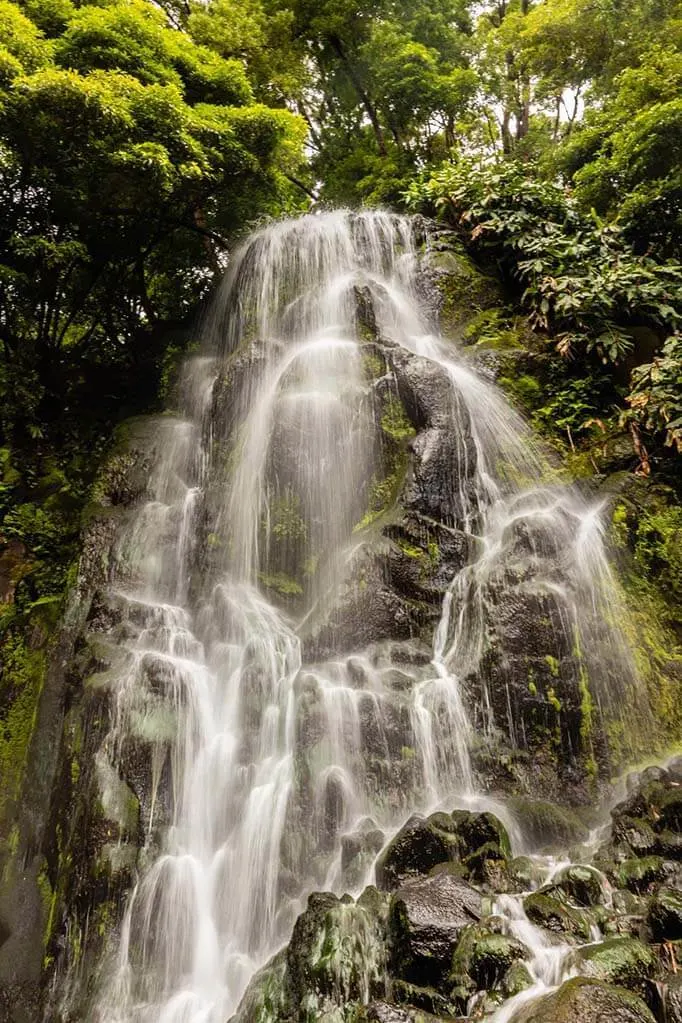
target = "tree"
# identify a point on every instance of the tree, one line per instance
(128, 155)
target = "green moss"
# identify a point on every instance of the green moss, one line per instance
(374, 367)
(658, 548)
(394, 421)
(281, 583)
(553, 699)
(410, 550)
(554, 914)
(638, 874)
(524, 389)
(383, 491)
(23, 673)
(622, 960)
(553, 665)
(285, 519)
(464, 289)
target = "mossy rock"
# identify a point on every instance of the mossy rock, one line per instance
(624, 961)
(665, 914)
(583, 885)
(427, 999)
(547, 825)
(516, 979)
(548, 911)
(525, 873)
(464, 290)
(639, 874)
(583, 1000)
(483, 958)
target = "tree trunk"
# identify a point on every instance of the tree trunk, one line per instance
(337, 46)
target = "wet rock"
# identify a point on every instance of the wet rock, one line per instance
(444, 457)
(672, 998)
(383, 1012)
(555, 915)
(425, 843)
(639, 875)
(582, 885)
(582, 1000)
(336, 953)
(419, 845)
(366, 610)
(425, 998)
(426, 918)
(649, 820)
(358, 849)
(524, 873)
(516, 979)
(483, 958)
(546, 824)
(665, 915)
(626, 962)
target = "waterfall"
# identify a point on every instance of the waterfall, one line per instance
(325, 401)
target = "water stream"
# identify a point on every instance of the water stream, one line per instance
(267, 758)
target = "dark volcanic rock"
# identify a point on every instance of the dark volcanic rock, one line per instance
(462, 837)
(426, 918)
(665, 915)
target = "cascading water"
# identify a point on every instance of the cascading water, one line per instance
(271, 744)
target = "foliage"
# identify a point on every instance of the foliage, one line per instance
(580, 279)
(625, 157)
(655, 399)
(128, 154)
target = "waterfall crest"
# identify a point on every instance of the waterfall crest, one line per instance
(333, 451)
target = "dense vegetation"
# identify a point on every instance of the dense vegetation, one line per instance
(139, 139)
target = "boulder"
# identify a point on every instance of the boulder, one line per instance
(665, 914)
(426, 918)
(623, 961)
(583, 1000)
(463, 837)
(547, 825)
(582, 885)
(545, 909)
(483, 958)
(639, 874)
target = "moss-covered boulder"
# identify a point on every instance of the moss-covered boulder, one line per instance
(547, 909)
(665, 914)
(582, 885)
(583, 1000)
(639, 874)
(516, 979)
(649, 820)
(426, 999)
(483, 958)
(624, 961)
(335, 958)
